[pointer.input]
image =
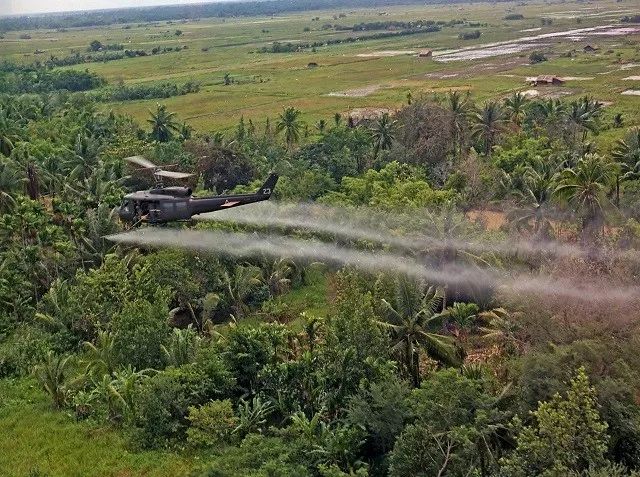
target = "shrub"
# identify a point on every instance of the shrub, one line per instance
(470, 35)
(537, 57)
(248, 350)
(211, 423)
(163, 404)
(163, 401)
(382, 410)
(141, 329)
(567, 435)
(22, 350)
(257, 456)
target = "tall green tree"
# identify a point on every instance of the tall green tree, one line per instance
(163, 124)
(582, 116)
(515, 107)
(585, 187)
(627, 152)
(415, 325)
(8, 133)
(459, 106)
(10, 180)
(567, 435)
(239, 285)
(548, 116)
(289, 122)
(488, 122)
(534, 199)
(383, 132)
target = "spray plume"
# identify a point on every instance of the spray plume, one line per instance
(354, 224)
(243, 245)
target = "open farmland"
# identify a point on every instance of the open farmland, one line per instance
(373, 73)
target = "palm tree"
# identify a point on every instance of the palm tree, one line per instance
(627, 149)
(538, 183)
(125, 381)
(277, 274)
(582, 117)
(383, 132)
(9, 181)
(459, 109)
(163, 124)
(8, 136)
(240, 284)
(185, 131)
(289, 122)
(182, 346)
(627, 153)
(104, 390)
(584, 186)
(99, 222)
(413, 320)
(515, 106)
(462, 318)
(51, 375)
(101, 357)
(489, 121)
(548, 114)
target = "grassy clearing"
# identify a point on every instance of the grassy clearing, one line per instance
(313, 298)
(34, 438)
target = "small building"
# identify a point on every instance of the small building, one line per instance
(425, 54)
(545, 80)
(590, 48)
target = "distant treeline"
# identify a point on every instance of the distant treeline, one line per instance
(278, 47)
(145, 91)
(18, 79)
(21, 79)
(105, 56)
(389, 25)
(190, 12)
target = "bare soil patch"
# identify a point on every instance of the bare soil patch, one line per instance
(576, 78)
(360, 114)
(356, 92)
(490, 219)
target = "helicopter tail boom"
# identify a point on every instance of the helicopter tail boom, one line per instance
(267, 188)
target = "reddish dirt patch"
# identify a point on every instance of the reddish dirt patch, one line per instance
(490, 219)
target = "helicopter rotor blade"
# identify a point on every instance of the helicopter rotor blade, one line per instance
(173, 175)
(141, 161)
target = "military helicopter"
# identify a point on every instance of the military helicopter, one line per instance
(161, 204)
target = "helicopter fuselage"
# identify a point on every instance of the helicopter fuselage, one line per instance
(170, 204)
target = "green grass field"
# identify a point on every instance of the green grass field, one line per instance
(35, 440)
(267, 82)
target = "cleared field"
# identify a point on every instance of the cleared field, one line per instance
(363, 73)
